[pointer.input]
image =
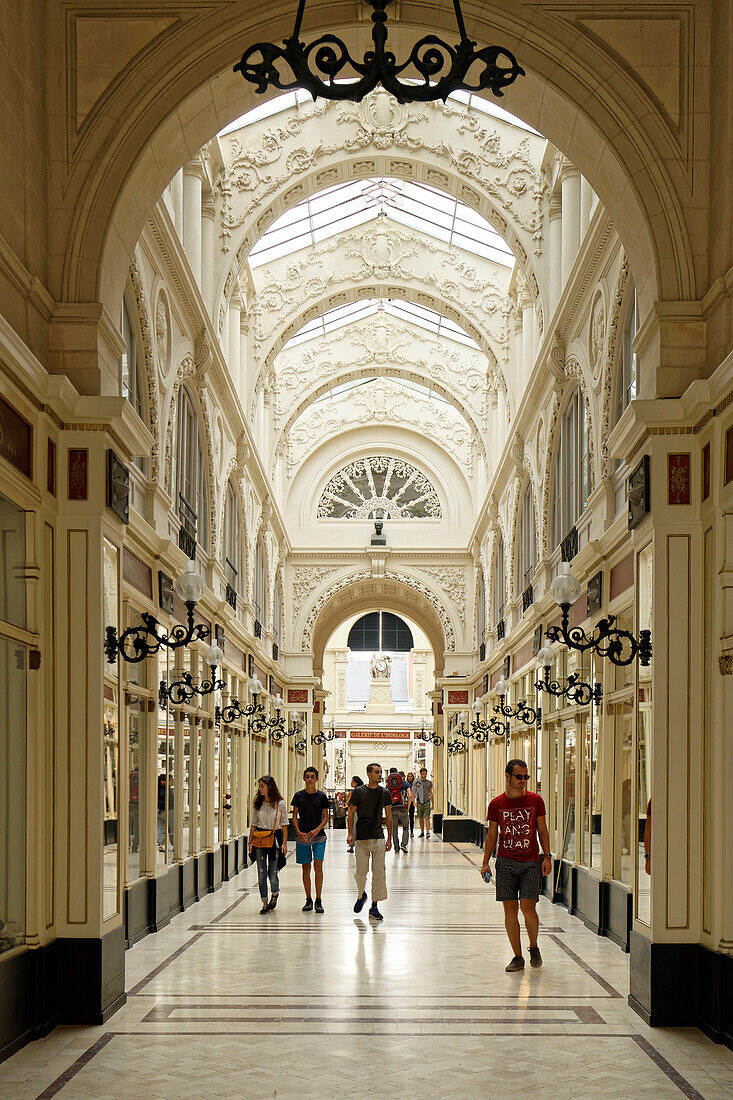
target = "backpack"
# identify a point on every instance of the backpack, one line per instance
(395, 788)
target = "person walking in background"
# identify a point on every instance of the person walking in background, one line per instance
(356, 781)
(410, 779)
(422, 790)
(310, 818)
(519, 818)
(268, 838)
(401, 796)
(369, 803)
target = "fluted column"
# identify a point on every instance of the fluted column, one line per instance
(193, 178)
(555, 215)
(177, 189)
(570, 182)
(586, 204)
(207, 252)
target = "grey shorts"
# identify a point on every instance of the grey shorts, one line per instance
(515, 880)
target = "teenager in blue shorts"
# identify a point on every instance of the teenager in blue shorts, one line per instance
(310, 818)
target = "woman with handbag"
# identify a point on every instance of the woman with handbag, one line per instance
(268, 838)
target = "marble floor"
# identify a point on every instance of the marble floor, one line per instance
(227, 1003)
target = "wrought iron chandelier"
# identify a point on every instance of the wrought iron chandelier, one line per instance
(442, 67)
(182, 691)
(607, 639)
(320, 738)
(574, 689)
(138, 642)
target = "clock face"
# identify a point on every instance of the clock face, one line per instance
(381, 665)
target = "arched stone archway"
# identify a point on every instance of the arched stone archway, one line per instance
(360, 592)
(179, 90)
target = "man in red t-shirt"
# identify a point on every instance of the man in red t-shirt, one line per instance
(519, 817)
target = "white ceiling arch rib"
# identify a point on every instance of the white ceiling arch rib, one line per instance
(398, 291)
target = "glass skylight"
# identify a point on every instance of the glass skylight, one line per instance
(346, 387)
(346, 205)
(283, 102)
(421, 316)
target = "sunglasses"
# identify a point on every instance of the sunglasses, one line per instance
(524, 777)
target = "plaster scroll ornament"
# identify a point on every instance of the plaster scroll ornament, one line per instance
(152, 386)
(162, 333)
(597, 336)
(305, 578)
(452, 580)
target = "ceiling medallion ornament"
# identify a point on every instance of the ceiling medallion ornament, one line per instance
(429, 57)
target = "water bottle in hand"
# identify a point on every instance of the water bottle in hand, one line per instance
(487, 876)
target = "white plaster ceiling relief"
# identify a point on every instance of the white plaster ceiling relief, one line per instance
(452, 580)
(380, 344)
(470, 287)
(381, 402)
(266, 158)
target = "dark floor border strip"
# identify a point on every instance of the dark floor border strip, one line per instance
(82, 1061)
(588, 969)
(666, 1067)
(242, 895)
(166, 962)
(465, 855)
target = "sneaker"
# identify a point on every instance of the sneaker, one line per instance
(374, 913)
(350, 851)
(319, 905)
(535, 959)
(273, 902)
(428, 832)
(422, 835)
(517, 963)
(265, 907)
(359, 903)
(404, 847)
(308, 907)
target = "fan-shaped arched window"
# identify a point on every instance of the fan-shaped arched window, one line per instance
(233, 565)
(259, 595)
(571, 468)
(526, 544)
(380, 632)
(379, 487)
(188, 477)
(277, 618)
(480, 609)
(131, 374)
(499, 586)
(626, 381)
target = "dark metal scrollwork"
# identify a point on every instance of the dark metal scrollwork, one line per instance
(138, 642)
(316, 68)
(607, 639)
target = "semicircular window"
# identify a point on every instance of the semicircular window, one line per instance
(378, 487)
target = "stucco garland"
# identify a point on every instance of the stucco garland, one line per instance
(610, 368)
(149, 359)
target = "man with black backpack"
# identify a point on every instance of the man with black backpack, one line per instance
(400, 796)
(367, 803)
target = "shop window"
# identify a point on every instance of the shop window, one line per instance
(111, 744)
(571, 468)
(626, 386)
(137, 785)
(12, 563)
(526, 541)
(569, 793)
(624, 824)
(644, 740)
(188, 477)
(13, 718)
(499, 584)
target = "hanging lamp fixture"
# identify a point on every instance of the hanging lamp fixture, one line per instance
(336, 75)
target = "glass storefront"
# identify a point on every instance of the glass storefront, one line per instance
(13, 711)
(644, 742)
(111, 742)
